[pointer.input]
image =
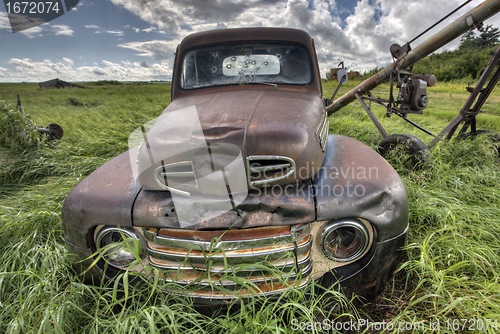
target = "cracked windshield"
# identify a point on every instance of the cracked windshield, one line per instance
(246, 64)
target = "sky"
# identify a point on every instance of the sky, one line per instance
(135, 40)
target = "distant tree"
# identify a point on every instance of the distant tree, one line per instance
(467, 38)
(466, 63)
(489, 36)
(106, 83)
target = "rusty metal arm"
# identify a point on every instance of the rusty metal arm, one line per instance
(372, 116)
(477, 15)
(479, 91)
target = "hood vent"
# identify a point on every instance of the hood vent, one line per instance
(177, 177)
(266, 169)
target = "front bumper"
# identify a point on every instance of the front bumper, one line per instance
(253, 262)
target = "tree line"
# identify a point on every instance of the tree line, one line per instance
(466, 62)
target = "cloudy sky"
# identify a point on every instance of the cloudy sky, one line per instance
(135, 39)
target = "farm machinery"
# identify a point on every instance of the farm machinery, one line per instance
(412, 97)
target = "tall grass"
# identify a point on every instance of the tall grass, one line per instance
(450, 270)
(17, 130)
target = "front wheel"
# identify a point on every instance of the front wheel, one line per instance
(405, 150)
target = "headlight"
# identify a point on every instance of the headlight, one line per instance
(121, 246)
(344, 240)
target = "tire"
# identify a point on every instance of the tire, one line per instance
(57, 131)
(414, 154)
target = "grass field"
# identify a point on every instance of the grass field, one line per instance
(450, 271)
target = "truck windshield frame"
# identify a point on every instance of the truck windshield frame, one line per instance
(246, 63)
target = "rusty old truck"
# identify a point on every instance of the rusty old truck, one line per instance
(240, 177)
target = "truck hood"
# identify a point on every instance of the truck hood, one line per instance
(211, 130)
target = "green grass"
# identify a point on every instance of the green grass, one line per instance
(451, 265)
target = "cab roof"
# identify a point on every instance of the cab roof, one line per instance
(246, 34)
(256, 34)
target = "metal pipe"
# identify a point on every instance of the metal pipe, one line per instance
(480, 13)
(44, 130)
(415, 124)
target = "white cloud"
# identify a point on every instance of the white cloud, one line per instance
(68, 61)
(65, 70)
(98, 30)
(148, 30)
(24, 63)
(172, 15)
(158, 50)
(114, 32)
(28, 68)
(33, 32)
(38, 31)
(62, 30)
(4, 21)
(362, 41)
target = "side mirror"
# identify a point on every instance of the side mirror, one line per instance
(342, 76)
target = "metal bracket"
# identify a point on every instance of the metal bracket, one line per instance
(372, 116)
(470, 20)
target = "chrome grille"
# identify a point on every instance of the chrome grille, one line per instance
(178, 177)
(265, 169)
(204, 259)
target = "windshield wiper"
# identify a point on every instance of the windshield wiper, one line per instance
(275, 86)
